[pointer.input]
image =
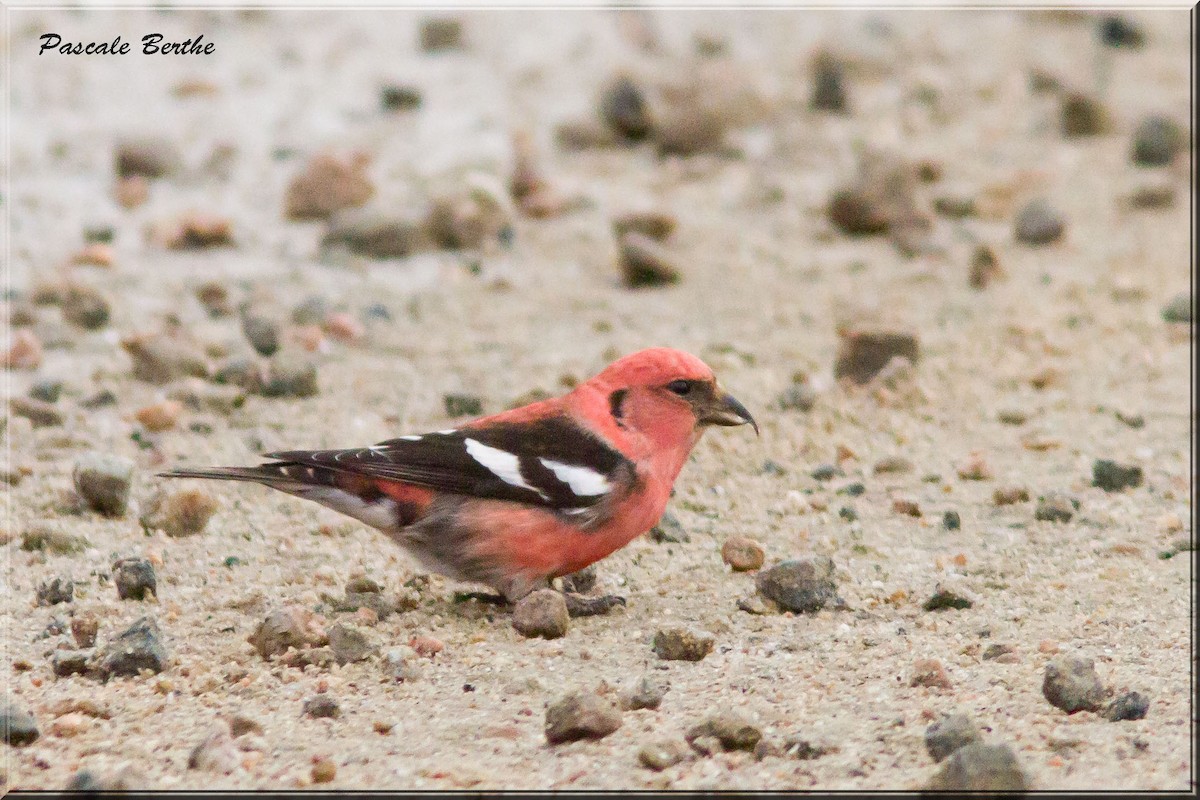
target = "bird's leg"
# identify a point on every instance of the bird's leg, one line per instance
(579, 605)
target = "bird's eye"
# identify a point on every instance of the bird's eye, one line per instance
(680, 387)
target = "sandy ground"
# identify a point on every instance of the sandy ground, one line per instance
(766, 279)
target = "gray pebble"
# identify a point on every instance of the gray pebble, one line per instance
(262, 333)
(17, 727)
(660, 755)
(1071, 683)
(1055, 507)
(1113, 477)
(946, 598)
(951, 521)
(829, 85)
(948, 734)
(1157, 141)
(582, 715)
(401, 664)
(322, 707)
(645, 262)
(290, 375)
(65, 663)
(148, 156)
(462, 405)
(47, 390)
(438, 34)
(103, 481)
(350, 644)
(648, 693)
(669, 529)
(798, 397)
(53, 592)
(1131, 705)
(85, 307)
(134, 578)
(863, 353)
(373, 234)
(800, 585)
(311, 311)
(623, 108)
(681, 644)
(1081, 115)
(825, 472)
(1179, 309)
(39, 412)
(1038, 224)
(541, 614)
(139, 647)
(398, 97)
(731, 729)
(981, 768)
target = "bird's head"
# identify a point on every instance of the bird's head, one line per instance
(667, 395)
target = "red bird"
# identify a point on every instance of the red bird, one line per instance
(517, 498)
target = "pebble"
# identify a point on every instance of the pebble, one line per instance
(1157, 141)
(863, 353)
(244, 373)
(85, 307)
(147, 157)
(658, 225)
(131, 192)
(1154, 195)
(1117, 31)
(800, 396)
(290, 375)
(955, 206)
(1038, 224)
(159, 416)
(1179, 309)
(799, 585)
(180, 513)
(18, 727)
(161, 359)
(541, 614)
(1009, 495)
(399, 97)
(327, 184)
(648, 693)
(848, 513)
(669, 529)
(930, 673)
(1071, 683)
(262, 333)
(645, 262)
(103, 481)
(624, 109)
(582, 715)
(908, 508)
(291, 626)
(731, 729)
(38, 412)
(324, 770)
(84, 628)
(374, 234)
(311, 311)
(463, 222)
(219, 399)
(1081, 115)
(139, 647)
(52, 538)
(322, 707)
(25, 352)
(950, 733)
(1128, 706)
(825, 472)
(742, 554)
(892, 465)
(216, 753)
(1113, 477)
(134, 578)
(662, 754)
(350, 644)
(681, 644)
(400, 664)
(828, 85)
(344, 328)
(439, 34)
(462, 405)
(1055, 507)
(54, 591)
(856, 213)
(196, 231)
(47, 390)
(974, 468)
(65, 663)
(688, 128)
(980, 767)
(1001, 652)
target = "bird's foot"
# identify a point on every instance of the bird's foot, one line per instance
(482, 597)
(580, 606)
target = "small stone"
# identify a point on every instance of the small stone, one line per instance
(1038, 224)
(1117, 31)
(160, 416)
(623, 108)
(139, 647)
(162, 359)
(322, 707)
(658, 225)
(541, 614)
(1071, 683)
(262, 333)
(799, 397)
(731, 729)
(399, 97)
(985, 268)
(863, 353)
(799, 585)
(197, 231)
(400, 664)
(1157, 141)
(945, 736)
(55, 591)
(856, 213)
(1154, 195)
(582, 715)
(825, 472)
(645, 262)
(85, 307)
(148, 157)
(1081, 115)
(945, 598)
(974, 468)
(1009, 495)
(848, 513)
(907, 507)
(462, 405)
(179, 513)
(103, 481)
(17, 727)
(1055, 507)
(469, 220)
(1012, 416)
(324, 770)
(930, 673)
(290, 375)
(438, 34)
(343, 327)
(350, 644)
(134, 578)
(53, 538)
(1179, 309)
(25, 352)
(648, 693)
(955, 206)
(292, 626)
(85, 627)
(374, 234)
(660, 755)
(980, 767)
(828, 85)
(742, 554)
(999, 651)
(892, 465)
(688, 128)
(1113, 477)
(327, 184)
(681, 644)
(669, 529)
(38, 412)
(65, 663)
(1131, 705)
(217, 753)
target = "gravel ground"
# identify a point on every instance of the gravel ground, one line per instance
(967, 477)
